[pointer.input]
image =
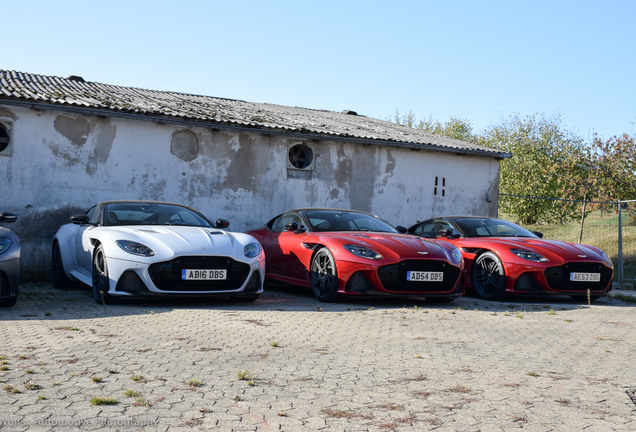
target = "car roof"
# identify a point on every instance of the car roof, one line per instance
(305, 209)
(104, 203)
(328, 209)
(463, 217)
(140, 202)
(454, 217)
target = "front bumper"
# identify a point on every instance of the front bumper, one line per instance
(556, 279)
(391, 279)
(164, 278)
(10, 272)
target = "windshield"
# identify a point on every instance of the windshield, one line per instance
(478, 227)
(337, 220)
(118, 214)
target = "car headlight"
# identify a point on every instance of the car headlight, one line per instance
(252, 250)
(456, 255)
(528, 255)
(135, 248)
(607, 260)
(4, 245)
(363, 252)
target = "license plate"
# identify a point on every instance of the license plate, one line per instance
(585, 277)
(199, 274)
(422, 276)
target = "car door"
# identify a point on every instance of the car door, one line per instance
(283, 247)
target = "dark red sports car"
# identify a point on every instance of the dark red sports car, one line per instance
(501, 257)
(350, 252)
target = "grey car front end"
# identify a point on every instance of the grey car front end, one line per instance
(9, 262)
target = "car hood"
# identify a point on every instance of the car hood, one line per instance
(547, 248)
(168, 241)
(399, 246)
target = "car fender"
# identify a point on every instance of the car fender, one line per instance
(64, 237)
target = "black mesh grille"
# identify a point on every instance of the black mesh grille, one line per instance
(558, 278)
(130, 282)
(393, 277)
(167, 275)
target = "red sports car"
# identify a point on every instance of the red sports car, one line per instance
(350, 252)
(501, 257)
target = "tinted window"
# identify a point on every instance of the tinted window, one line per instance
(287, 218)
(93, 215)
(431, 228)
(478, 227)
(151, 214)
(334, 220)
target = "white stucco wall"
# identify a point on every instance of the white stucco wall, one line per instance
(63, 162)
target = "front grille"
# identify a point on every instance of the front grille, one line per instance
(167, 275)
(558, 278)
(393, 276)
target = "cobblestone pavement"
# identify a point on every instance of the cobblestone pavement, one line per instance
(288, 362)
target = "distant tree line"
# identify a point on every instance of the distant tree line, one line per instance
(547, 161)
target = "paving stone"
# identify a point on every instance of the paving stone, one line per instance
(355, 365)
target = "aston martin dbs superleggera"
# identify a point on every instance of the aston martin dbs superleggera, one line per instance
(137, 248)
(350, 252)
(501, 257)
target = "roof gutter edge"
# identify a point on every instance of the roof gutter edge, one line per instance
(295, 134)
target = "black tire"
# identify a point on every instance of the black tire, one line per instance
(100, 277)
(324, 276)
(58, 275)
(245, 297)
(9, 301)
(489, 277)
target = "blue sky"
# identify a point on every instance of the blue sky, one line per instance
(481, 61)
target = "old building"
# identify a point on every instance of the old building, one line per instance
(66, 143)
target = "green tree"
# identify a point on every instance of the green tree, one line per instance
(616, 162)
(454, 128)
(547, 161)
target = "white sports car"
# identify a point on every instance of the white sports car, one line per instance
(137, 248)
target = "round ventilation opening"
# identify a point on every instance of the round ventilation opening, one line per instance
(301, 156)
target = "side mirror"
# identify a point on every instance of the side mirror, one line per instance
(401, 229)
(221, 223)
(80, 219)
(8, 217)
(538, 234)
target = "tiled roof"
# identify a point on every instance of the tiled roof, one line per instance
(74, 92)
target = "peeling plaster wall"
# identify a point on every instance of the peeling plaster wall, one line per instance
(63, 162)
